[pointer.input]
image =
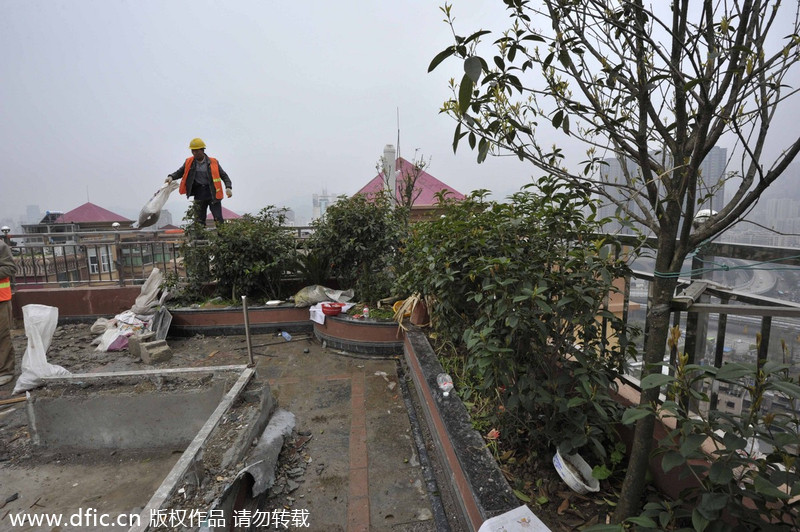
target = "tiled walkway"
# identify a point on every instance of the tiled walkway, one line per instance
(364, 472)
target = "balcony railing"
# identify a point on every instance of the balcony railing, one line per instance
(100, 258)
(726, 313)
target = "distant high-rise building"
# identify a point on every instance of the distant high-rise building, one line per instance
(320, 203)
(710, 193)
(711, 188)
(289, 217)
(32, 214)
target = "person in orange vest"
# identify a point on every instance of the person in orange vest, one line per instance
(8, 269)
(202, 177)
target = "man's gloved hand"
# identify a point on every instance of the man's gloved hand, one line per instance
(167, 180)
(229, 192)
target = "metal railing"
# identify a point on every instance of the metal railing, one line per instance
(726, 313)
(100, 258)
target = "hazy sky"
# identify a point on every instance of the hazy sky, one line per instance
(100, 98)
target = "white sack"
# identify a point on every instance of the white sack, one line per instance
(147, 301)
(40, 325)
(152, 209)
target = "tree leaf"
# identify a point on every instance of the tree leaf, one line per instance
(720, 473)
(441, 56)
(734, 370)
(521, 496)
(671, 460)
(656, 380)
(692, 443)
(642, 520)
(464, 94)
(472, 68)
(575, 401)
(698, 521)
(790, 389)
(712, 503)
(767, 488)
(634, 414)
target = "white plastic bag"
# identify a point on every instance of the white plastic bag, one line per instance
(152, 209)
(40, 324)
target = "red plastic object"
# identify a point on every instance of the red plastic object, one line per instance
(332, 309)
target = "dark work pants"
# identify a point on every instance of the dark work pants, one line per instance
(202, 207)
(6, 347)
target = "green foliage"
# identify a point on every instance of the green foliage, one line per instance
(520, 285)
(314, 268)
(194, 250)
(359, 236)
(252, 254)
(737, 483)
(597, 72)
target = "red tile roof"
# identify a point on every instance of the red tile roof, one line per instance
(228, 214)
(90, 213)
(426, 185)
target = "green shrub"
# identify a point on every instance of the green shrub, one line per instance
(252, 254)
(195, 253)
(736, 484)
(359, 236)
(519, 286)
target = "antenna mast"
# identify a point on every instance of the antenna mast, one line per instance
(398, 132)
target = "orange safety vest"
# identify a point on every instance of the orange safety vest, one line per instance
(215, 177)
(5, 289)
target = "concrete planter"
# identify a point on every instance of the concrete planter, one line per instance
(361, 336)
(222, 321)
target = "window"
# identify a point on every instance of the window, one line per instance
(104, 258)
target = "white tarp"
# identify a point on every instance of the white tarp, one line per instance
(316, 293)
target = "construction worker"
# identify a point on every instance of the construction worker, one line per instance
(202, 177)
(8, 269)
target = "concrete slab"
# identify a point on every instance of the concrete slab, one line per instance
(124, 411)
(115, 485)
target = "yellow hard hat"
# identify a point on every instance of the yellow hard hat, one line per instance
(197, 144)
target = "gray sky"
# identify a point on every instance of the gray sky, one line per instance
(100, 98)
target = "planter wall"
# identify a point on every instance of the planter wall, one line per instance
(224, 321)
(479, 486)
(79, 304)
(364, 337)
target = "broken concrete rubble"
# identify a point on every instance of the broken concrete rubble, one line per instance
(136, 340)
(155, 352)
(262, 460)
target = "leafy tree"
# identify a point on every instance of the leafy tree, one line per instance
(657, 87)
(359, 236)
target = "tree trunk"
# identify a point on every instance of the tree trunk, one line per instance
(658, 324)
